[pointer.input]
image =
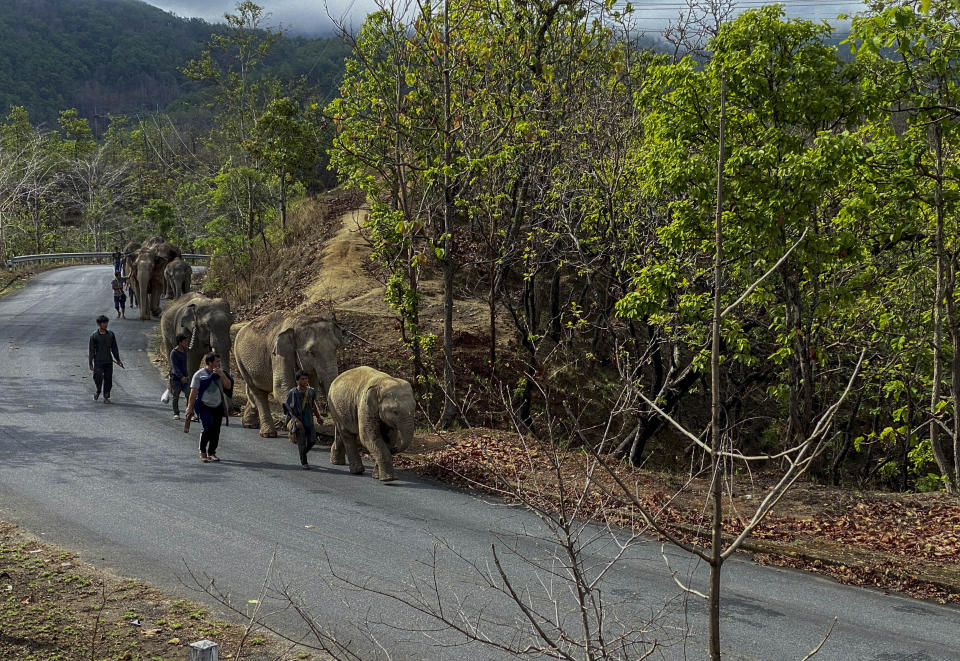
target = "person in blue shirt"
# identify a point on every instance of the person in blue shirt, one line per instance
(179, 380)
(300, 407)
(210, 390)
(102, 353)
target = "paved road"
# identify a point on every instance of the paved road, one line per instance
(122, 485)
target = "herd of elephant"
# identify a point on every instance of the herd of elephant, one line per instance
(370, 409)
(153, 268)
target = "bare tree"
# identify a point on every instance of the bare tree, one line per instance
(100, 187)
(27, 177)
(696, 24)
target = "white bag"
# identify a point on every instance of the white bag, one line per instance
(165, 397)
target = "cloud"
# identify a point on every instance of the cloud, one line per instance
(310, 16)
(296, 16)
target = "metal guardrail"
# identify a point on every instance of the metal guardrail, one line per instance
(64, 256)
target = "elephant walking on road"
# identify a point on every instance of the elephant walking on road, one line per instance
(375, 409)
(269, 351)
(206, 321)
(147, 274)
(177, 275)
(130, 252)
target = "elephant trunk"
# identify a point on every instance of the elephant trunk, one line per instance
(144, 273)
(221, 344)
(402, 436)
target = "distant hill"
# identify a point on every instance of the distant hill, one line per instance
(120, 57)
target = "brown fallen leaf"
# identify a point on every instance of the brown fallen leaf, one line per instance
(150, 633)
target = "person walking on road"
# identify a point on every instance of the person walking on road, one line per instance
(179, 381)
(103, 352)
(131, 293)
(210, 388)
(300, 407)
(117, 259)
(119, 296)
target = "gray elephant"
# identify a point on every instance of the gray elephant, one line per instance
(206, 321)
(129, 256)
(376, 409)
(269, 351)
(147, 274)
(177, 275)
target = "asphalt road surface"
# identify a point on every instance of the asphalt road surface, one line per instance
(122, 484)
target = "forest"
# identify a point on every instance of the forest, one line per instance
(611, 204)
(123, 57)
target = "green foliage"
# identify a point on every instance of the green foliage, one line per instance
(160, 216)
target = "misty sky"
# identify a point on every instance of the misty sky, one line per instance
(310, 16)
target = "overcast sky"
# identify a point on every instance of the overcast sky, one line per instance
(310, 17)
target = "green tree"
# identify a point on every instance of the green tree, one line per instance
(784, 177)
(285, 138)
(912, 52)
(232, 64)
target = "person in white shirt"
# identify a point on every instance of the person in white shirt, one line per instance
(210, 390)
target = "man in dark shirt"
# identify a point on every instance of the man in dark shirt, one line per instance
(103, 351)
(117, 259)
(179, 380)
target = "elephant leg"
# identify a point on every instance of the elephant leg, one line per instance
(251, 418)
(383, 461)
(352, 446)
(267, 430)
(337, 454)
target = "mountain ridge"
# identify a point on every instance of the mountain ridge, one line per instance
(117, 57)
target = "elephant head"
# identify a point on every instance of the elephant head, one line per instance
(309, 345)
(147, 286)
(207, 323)
(389, 402)
(148, 266)
(177, 275)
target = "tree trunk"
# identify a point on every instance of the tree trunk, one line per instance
(531, 323)
(935, 440)
(905, 449)
(250, 214)
(283, 201)
(651, 422)
(555, 328)
(951, 310)
(716, 555)
(3, 241)
(492, 302)
(449, 381)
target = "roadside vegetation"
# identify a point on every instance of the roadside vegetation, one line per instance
(53, 605)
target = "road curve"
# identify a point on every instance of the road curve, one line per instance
(121, 484)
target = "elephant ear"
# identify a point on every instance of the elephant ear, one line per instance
(188, 322)
(189, 314)
(285, 343)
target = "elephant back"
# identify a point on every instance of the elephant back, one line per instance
(167, 251)
(177, 268)
(348, 388)
(253, 339)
